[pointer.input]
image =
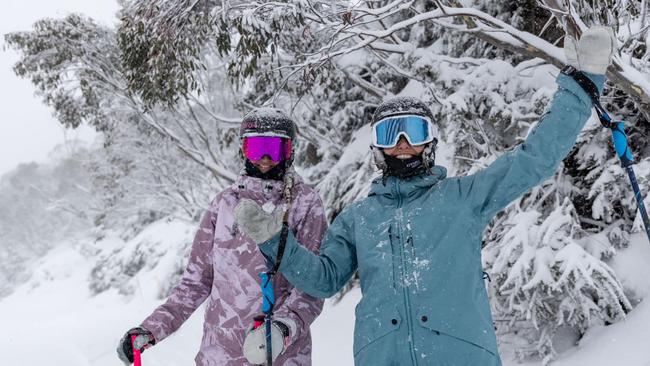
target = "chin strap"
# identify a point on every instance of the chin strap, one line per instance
(429, 154)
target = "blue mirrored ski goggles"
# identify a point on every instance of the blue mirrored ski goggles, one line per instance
(417, 130)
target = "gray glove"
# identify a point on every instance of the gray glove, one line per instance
(255, 222)
(144, 339)
(593, 52)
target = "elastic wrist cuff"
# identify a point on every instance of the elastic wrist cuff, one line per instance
(583, 80)
(283, 328)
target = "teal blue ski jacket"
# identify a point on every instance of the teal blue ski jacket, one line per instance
(417, 246)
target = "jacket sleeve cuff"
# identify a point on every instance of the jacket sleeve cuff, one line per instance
(567, 83)
(270, 248)
(156, 337)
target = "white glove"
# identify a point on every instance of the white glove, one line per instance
(257, 223)
(593, 52)
(255, 343)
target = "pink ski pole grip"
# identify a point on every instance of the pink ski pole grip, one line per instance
(136, 353)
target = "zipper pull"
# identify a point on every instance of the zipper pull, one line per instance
(486, 276)
(409, 238)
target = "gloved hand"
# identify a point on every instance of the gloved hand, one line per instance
(255, 343)
(258, 224)
(593, 52)
(144, 339)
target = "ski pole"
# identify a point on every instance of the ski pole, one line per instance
(137, 361)
(268, 302)
(622, 147)
(619, 138)
(268, 296)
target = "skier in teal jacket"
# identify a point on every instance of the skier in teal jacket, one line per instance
(416, 239)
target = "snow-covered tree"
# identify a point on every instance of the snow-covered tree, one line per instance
(180, 70)
(154, 161)
(76, 67)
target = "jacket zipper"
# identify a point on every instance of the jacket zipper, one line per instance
(394, 254)
(405, 288)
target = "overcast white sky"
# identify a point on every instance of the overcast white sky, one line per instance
(28, 132)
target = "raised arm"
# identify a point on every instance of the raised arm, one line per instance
(537, 158)
(540, 155)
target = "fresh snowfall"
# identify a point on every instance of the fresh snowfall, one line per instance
(92, 241)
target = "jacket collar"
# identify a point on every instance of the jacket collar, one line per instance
(407, 189)
(267, 187)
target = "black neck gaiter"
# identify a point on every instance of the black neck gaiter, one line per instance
(404, 168)
(276, 173)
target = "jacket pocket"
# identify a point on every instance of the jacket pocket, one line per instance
(473, 333)
(370, 328)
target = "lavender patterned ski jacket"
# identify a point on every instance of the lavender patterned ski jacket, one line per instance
(223, 267)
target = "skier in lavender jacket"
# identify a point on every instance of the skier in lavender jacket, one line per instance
(224, 264)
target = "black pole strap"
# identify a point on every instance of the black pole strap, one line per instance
(284, 233)
(592, 91)
(583, 80)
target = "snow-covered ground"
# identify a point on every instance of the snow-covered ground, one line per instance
(55, 320)
(58, 322)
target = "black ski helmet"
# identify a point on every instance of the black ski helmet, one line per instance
(267, 121)
(399, 106)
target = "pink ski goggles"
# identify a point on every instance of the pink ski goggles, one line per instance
(256, 147)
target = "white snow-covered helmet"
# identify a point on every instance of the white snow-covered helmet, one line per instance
(271, 121)
(401, 106)
(406, 106)
(268, 122)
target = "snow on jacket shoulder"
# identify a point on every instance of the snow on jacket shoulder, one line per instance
(417, 246)
(224, 267)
